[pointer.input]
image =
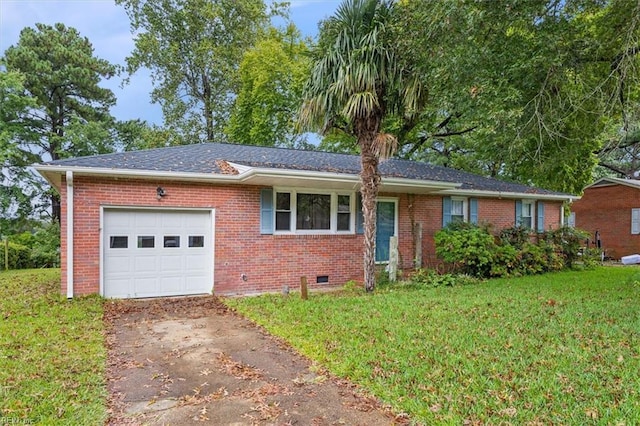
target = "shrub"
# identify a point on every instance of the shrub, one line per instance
(568, 242)
(516, 236)
(45, 251)
(19, 256)
(468, 247)
(37, 249)
(505, 261)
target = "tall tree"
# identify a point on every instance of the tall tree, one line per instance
(71, 111)
(14, 103)
(528, 90)
(193, 49)
(272, 76)
(356, 82)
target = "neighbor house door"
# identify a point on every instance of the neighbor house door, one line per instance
(386, 222)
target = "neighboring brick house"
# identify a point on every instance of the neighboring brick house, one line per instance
(610, 207)
(240, 219)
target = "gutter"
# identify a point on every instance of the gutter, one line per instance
(519, 195)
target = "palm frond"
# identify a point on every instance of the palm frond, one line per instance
(385, 145)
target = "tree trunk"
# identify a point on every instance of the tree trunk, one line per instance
(370, 181)
(208, 110)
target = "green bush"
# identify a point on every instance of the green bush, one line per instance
(19, 256)
(470, 248)
(505, 261)
(568, 241)
(45, 251)
(37, 249)
(516, 236)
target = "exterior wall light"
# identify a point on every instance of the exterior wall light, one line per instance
(160, 192)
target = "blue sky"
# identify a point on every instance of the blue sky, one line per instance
(106, 25)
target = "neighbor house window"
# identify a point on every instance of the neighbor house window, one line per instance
(302, 211)
(635, 221)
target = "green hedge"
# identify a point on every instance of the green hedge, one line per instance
(474, 250)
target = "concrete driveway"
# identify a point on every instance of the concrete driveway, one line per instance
(190, 361)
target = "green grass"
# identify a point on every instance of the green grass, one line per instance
(561, 348)
(52, 354)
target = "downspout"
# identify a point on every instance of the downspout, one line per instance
(69, 234)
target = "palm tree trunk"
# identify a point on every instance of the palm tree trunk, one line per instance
(370, 180)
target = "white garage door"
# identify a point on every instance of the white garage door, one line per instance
(152, 253)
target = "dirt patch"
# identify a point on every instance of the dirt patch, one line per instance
(189, 361)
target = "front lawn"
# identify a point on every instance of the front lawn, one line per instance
(561, 348)
(52, 355)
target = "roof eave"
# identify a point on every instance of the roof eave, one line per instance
(253, 176)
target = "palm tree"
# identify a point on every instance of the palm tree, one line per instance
(356, 82)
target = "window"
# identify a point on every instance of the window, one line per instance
(171, 241)
(311, 212)
(146, 241)
(118, 242)
(196, 241)
(344, 212)
(283, 211)
(635, 221)
(458, 210)
(527, 215)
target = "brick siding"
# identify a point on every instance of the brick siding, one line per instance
(608, 209)
(269, 262)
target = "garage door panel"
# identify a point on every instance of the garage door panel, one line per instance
(146, 264)
(173, 264)
(193, 284)
(146, 287)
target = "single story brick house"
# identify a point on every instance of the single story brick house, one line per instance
(610, 207)
(234, 219)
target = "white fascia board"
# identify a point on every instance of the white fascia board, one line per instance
(511, 195)
(130, 173)
(249, 176)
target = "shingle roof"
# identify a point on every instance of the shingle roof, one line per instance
(207, 157)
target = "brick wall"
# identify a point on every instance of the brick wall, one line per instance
(608, 209)
(268, 261)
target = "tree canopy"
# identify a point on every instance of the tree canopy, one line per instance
(59, 109)
(272, 76)
(194, 49)
(540, 91)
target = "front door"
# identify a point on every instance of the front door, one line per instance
(385, 228)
